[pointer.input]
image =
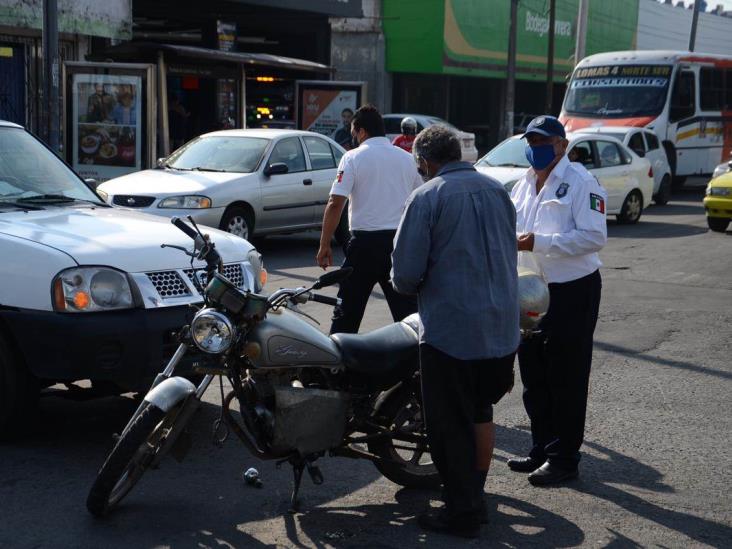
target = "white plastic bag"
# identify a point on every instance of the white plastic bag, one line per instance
(533, 291)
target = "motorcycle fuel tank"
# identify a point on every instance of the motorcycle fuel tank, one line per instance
(284, 340)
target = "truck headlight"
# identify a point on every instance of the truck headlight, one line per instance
(103, 195)
(188, 202)
(260, 273)
(212, 331)
(90, 289)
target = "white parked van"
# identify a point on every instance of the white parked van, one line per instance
(86, 291)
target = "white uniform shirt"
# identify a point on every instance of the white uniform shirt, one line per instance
(377, 178)
(567, 218)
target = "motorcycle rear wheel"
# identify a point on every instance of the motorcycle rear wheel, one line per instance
(129, 459)
(411, 467)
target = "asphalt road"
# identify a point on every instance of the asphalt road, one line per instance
(657, 461)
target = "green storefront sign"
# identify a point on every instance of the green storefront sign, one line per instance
(470, 37)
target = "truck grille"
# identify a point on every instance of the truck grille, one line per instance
(232, 271)
(131, 201)
(169, 284)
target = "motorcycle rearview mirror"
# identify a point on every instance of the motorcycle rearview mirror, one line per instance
(329, 279)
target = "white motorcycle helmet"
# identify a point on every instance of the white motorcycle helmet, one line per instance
(408, 126)
(533, 294)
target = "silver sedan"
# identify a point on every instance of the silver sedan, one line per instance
(250, 182)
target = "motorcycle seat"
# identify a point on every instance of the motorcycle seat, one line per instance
(378, 352)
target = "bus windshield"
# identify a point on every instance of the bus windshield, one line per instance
(618, 91)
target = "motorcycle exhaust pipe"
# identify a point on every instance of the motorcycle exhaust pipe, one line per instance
(244, 435)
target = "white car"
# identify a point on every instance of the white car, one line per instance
(249, 182)
(87, 291)
(625, 176)
(392, 124)
(645, 144)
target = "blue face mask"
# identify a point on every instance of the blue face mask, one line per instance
(540, 156)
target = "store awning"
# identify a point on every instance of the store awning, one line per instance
(147, 51)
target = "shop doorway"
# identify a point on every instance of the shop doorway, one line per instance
(12, 83)
(199, 104)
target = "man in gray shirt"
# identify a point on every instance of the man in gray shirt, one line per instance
(456, 249)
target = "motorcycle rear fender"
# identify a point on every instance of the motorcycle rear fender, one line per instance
(170, 392)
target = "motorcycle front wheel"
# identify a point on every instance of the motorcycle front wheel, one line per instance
(131, 456)
(403, 462)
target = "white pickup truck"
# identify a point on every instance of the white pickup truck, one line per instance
(86, 291)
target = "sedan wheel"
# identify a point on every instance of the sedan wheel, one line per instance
(632, 208)
(237, 221)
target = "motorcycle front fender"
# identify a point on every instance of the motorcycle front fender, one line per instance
(170, 392)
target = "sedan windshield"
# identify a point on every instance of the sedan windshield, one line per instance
(509, 154)
(28, 171)
(618, 91)
(219, 154)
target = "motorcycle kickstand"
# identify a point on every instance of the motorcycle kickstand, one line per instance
(297, 468)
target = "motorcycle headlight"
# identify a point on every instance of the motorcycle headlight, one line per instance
(260, 273)
(212, 331)
(91, 289)
(186, 202)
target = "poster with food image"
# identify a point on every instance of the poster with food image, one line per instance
(106, 114)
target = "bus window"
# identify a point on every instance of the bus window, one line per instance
(711, 89)
(682, 98)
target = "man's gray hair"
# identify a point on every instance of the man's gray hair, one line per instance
(437, 144)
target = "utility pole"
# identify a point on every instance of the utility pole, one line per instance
(510, 73)
(51, 72)
(694, 21)
(579, 50)
(550, 60)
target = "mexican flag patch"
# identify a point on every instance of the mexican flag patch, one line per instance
(597, 203)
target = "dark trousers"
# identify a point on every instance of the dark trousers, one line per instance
(456, 395)
(369, 253)
(555, 371)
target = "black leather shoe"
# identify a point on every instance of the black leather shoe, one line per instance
(435, 521)
(524, 465)
(551, 474)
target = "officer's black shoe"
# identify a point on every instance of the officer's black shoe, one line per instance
(436, 521)
(551, 474)
(524, 465)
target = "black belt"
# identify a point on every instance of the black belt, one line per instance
(385, 232)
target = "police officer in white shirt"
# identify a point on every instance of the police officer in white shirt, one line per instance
(560, 216)
(376, 179)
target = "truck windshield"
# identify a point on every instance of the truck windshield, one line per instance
(28, 170)
(618, 91)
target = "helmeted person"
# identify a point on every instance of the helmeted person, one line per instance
(456, 250)
(375, 179)
(560, 216)
(409, 133)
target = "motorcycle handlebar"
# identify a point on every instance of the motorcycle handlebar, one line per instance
(178, 222)
(326, 300)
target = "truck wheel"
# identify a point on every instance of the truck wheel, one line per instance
(718, 224)
(19, 392)
(664, 191)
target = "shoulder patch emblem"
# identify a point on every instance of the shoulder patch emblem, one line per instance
(562, 190)
(339, 178)
(597, 203)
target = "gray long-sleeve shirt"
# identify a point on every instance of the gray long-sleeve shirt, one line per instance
(456, 249)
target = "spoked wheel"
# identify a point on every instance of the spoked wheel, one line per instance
(406, 458)
(632, 208)
(131, 457)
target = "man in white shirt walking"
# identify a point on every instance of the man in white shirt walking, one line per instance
(376, 179)
(560, 216)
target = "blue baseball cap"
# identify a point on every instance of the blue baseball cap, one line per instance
(545, 125)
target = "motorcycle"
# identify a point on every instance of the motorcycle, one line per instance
(300, 394)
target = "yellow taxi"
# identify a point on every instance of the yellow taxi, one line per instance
(718, 202)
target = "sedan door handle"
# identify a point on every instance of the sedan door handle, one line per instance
(307, 181)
